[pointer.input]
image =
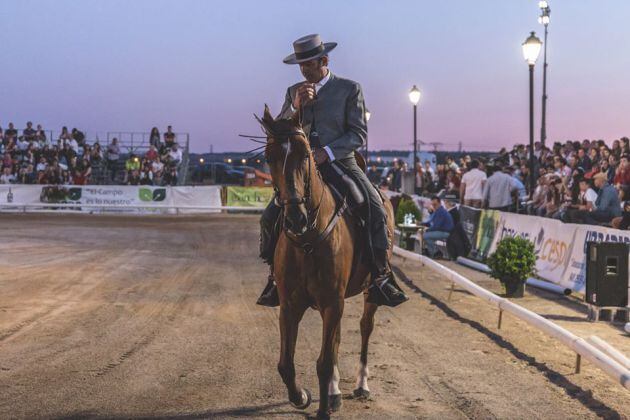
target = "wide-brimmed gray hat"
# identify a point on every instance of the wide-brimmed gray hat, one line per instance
(308, 48)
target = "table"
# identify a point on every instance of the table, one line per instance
(407, 239)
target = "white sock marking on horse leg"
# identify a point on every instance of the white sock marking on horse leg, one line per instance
(333, 386)
(362, 378)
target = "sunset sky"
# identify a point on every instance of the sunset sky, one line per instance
(206, 66)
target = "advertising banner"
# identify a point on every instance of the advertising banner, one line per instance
(147, 199)
(553, 244)
(488, 226)
(248, 196)
(469, 218)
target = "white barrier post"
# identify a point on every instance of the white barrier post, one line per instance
(582, 348)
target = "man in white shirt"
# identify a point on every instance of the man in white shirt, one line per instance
(175, 154)
(586, 202)
(472, 185)
(499, 191)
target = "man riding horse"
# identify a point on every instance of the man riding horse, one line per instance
(332, 112)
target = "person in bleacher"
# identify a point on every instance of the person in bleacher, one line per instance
(607, 204)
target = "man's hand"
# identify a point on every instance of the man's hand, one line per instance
(320, 156)
(305, 93)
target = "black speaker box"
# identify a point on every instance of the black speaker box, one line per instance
(607, 273)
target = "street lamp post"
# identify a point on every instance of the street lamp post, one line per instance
(531, 50)
(414, 97)
(368, 114)
(544, 20)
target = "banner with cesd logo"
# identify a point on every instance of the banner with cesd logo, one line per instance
(553, 243)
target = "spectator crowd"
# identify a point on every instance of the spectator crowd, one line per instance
(575, 182)
(31, 157)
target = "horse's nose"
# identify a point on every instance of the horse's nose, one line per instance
(295, 220)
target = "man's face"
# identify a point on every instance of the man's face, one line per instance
(583, 186)
(314, 70)
(435, 204)
(581, 153)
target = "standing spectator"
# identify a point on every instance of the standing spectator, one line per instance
(440, 226)
(40, 135)
(169, 138)
(29, 132)
(471, 188)
(452, 182)
(175, 155)
(64, 136)
(10, 133)
(499, 191)
(78, 136)
(373, 175)
(113, 154)
(154, 138)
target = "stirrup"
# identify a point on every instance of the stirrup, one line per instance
(386, 292)
(269, 296)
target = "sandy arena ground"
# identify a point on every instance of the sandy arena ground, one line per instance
(131, 317)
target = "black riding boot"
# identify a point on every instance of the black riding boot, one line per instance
(269, 296)
(384, 290)
(268, 238)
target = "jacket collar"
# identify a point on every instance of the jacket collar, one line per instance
(331, 80)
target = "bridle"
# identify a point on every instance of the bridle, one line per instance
(308, 188)
(311, 214)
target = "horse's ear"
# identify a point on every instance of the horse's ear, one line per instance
(267, 117)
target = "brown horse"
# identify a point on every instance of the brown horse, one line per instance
(318, 262)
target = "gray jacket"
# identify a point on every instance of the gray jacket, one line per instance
(338, 114)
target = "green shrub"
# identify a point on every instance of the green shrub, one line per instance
(407, 206)
(514, 259)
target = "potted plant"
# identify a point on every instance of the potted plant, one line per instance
(512, 263)
(407, 206)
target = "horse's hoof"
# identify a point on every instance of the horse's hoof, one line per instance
(361, 393)
(323, 415)
(334, 401)
(306, 400)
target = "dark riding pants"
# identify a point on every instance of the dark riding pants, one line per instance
(269, 223)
